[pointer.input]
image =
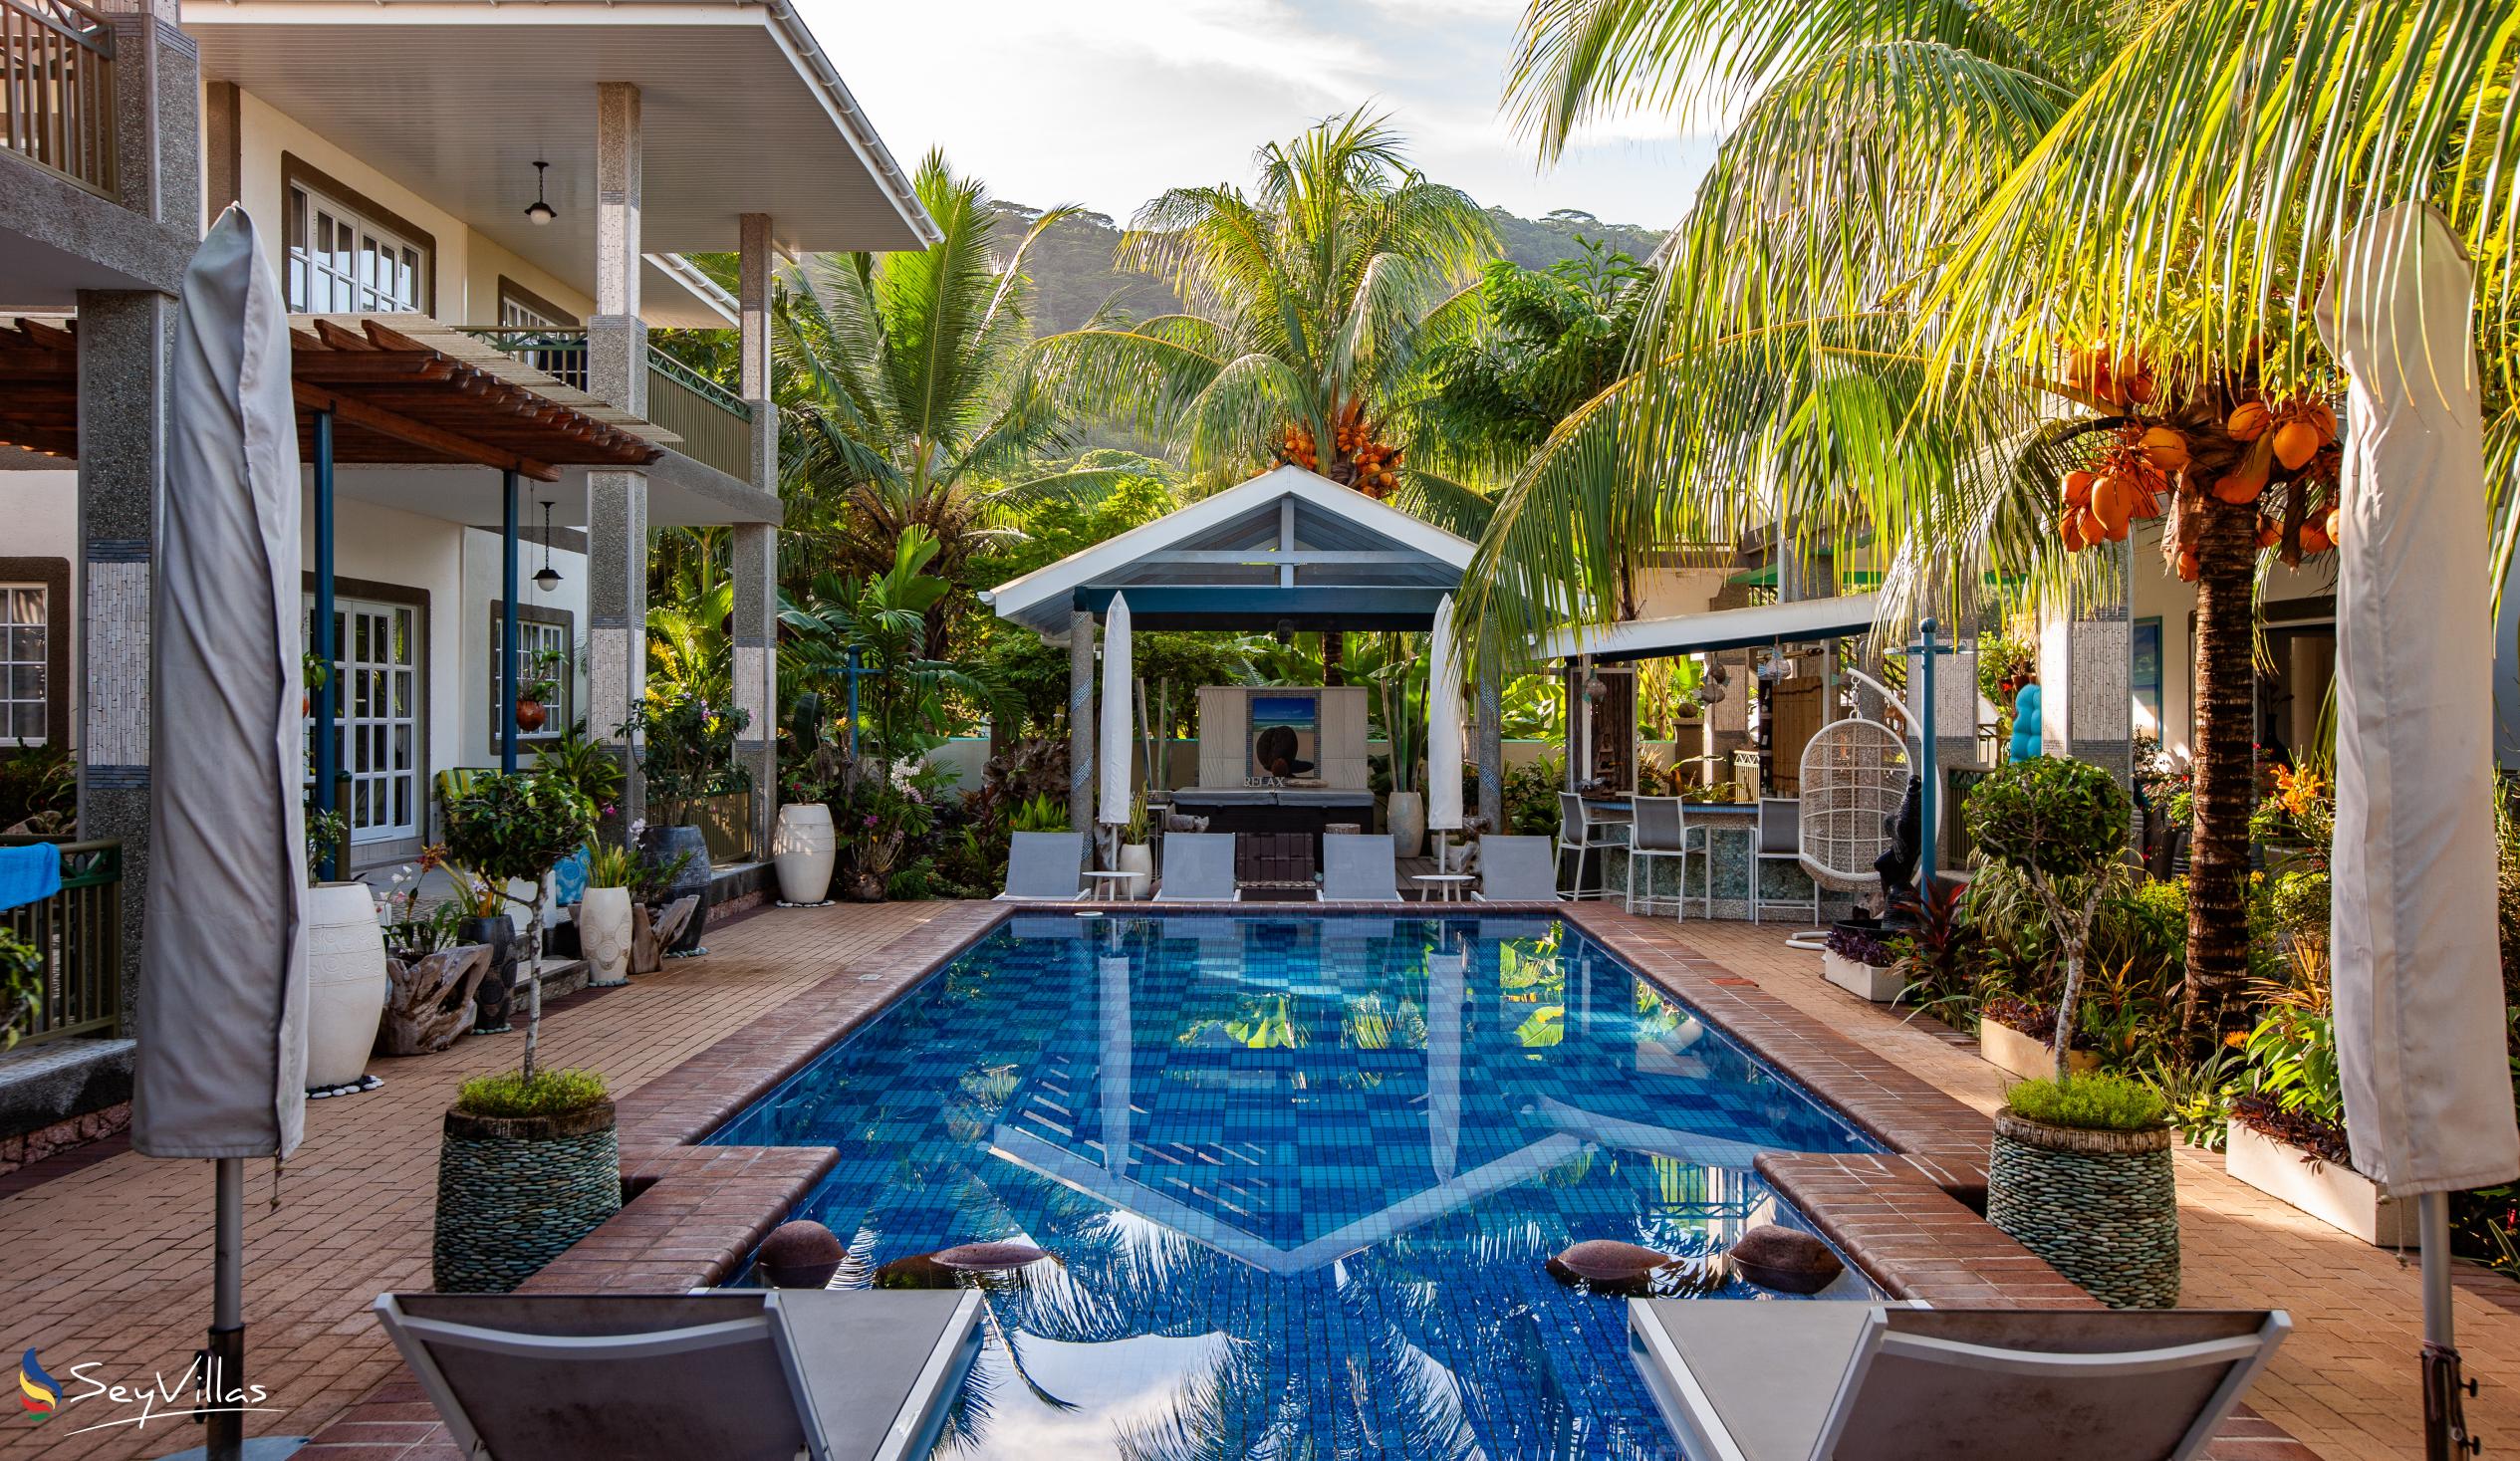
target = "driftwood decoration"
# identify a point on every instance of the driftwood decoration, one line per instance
(653, 931)
(430, 1005)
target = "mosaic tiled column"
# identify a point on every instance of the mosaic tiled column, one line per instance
(753, 348)
(126, 341)
(2086, 671)
(1489, 751)
(617, 502)
(756, 552)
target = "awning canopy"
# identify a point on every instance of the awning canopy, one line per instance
(1285, 548)
(1722, 628)
(396, 396)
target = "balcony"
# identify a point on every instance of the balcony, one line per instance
(79, 931)
(716, 424)
(57, 106)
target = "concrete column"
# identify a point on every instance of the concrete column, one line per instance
(125, 341)
(617, 502)
(1489, 749)
(753, 367)
(2086, 670)
(756, 626)
(1081, 723)
(222, 150)
(157, 96)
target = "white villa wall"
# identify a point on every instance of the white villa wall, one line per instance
(464, 289)
(2160, 594)
(41, 509)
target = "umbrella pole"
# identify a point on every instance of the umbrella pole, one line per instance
(224, 1362)
(2445, 1434)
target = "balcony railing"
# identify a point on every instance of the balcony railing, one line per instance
(57, 104)
(716, 424)
(79, 931)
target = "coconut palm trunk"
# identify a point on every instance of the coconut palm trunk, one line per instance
(2224, 759)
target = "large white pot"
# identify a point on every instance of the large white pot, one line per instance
(1406, 813)
(603, 934)
(346, 980)
(805, 850)
(1139, 858)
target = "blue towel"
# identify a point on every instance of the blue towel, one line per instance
(29, 873)
(569, 880)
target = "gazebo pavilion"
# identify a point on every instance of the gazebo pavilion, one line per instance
(1285, 552)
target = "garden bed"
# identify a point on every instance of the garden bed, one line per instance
(2013, 1035)
(2319, 1183)
(1879, 983)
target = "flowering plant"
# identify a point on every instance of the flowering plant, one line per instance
(687, 749)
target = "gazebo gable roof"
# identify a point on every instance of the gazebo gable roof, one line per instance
(1286, 535)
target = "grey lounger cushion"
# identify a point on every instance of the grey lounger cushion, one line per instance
(1781, 1381)
(1360, 869)
(730, 1376)
(1044, 866)
(1517, 870)
(1199, 867)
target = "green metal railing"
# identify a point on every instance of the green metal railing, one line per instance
(79, 930)
(715, 423)
(57, 103)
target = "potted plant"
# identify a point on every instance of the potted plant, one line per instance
(536, 685)
(606, 923)
(1855, 959)
(347, 982)
(1136, 855)
(805, 850)
(2015, 1035)
(688, 756)
(2081, 1175)
(529, 1162)
(2060, 825)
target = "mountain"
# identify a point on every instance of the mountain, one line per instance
(1073, 277)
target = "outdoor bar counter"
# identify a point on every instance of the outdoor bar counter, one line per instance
(1281, 827)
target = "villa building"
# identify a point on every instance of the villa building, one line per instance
(482, 253)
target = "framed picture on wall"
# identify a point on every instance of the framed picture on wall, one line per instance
(2146, 668)
(1285, 735)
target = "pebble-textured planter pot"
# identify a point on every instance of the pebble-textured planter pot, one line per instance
(514, 1192)
(2102, 1206)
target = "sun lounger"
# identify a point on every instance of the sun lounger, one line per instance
(1044, 868)
(1357, 869)
(1517, 870)
(738, 1375)
(1838, 1382)
(1198, 867)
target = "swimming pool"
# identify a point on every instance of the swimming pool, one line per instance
(1301, 1177)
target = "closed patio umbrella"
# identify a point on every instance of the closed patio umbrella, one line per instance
(1112, 810)
(221, 1072)
(2415, 963)
(1443, 728)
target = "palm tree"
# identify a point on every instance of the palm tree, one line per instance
(904, 396)
(1313, 298)
(1953, 253)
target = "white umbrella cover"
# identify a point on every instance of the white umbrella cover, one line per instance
(1112, 810)
(1444, 727)
(222, 991)
(2417, 964)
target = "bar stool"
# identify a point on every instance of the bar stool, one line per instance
(1662, 829)
(1780, 841)
(1579, 831)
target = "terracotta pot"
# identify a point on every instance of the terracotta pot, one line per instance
(530, 716)
(347, 982)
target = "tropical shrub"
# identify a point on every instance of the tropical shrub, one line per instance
(508, 1093)
(39, 785)
(1531, 796)
(2061, 824)
(687, 749)
(585, 762)
(21, 984)
(515, 828)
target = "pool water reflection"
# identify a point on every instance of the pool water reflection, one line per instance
(1299, 1176)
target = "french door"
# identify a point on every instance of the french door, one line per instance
(377, 699)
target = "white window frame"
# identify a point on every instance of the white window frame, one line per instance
(13, 664)
(372, 735)
(349, 281)
(532, 634)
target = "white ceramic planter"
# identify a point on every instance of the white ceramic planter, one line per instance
(1139, 858)
(1878, 983)
(1406, 813)
(2026, 1056)
(347, 983)
(603, 934)
(805, 850)
(2335, 1194)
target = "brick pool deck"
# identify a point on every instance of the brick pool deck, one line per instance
(108, 1252)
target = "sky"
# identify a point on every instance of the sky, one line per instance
(1107, 102)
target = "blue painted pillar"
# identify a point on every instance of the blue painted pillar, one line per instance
(507, 620)
(327, 653)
